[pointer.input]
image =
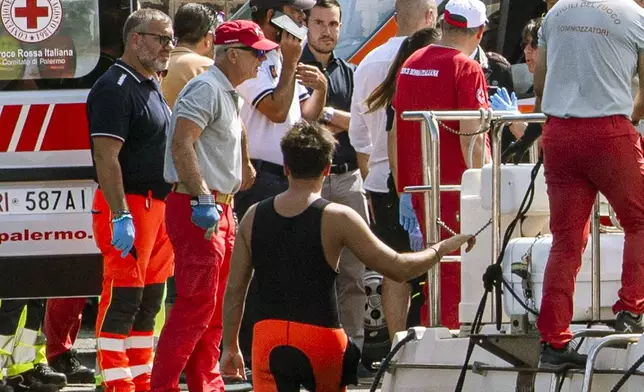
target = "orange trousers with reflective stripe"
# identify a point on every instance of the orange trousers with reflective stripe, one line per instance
(132, 293)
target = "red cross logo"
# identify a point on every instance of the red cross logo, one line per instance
(32, 12)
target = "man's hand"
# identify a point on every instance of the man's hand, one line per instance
(291, 49)
(204, 212)
(248, 176)
(311, 77)
(232, 365)
(123, 234)
(454, 243)
(407, 217)
(416, 240)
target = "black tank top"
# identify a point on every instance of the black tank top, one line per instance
(294, 279)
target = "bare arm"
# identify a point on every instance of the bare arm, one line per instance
(540, 69)
(392, 151)
(312, 107)
(352, 232)
(108, 170)
(638, 108)
(185, 158)
(469, 126)
(341, 120)
(248, 170)
(241, 271)
(311, 77)
(363, 164)
(276, 105)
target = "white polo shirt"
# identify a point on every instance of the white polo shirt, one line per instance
(210, 101)
(264, 135)
(367, 130)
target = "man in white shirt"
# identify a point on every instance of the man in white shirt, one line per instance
(273, 102)
(369, 138)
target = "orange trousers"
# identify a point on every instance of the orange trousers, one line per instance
(287, 355)
(132, 293)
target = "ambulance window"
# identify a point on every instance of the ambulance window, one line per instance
(55, 44)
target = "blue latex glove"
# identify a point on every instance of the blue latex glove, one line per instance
(407, 215)
(503, 101)
(123, 234)
(416, 240)
(204, 213)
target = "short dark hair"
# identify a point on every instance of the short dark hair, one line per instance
(260, 15)
(451, 29)
(307, 149)
(142, 17)
(325, 4)
(531, 32)
(193, 21)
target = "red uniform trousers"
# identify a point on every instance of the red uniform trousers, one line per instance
(192, 334)
(132, 293)
(450, 295)
(62, 322)
(582, 157)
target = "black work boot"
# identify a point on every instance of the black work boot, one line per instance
(68, 364)
(561, 359)
(627, 322)
(26, 382)
(46, 375)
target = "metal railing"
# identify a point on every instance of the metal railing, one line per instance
(430, 155)
(608, 341)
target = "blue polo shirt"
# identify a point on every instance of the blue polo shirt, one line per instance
(339, 75)
(125, 105)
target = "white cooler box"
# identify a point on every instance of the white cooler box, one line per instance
(611, 269)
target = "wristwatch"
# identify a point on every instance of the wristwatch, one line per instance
(208, 199)
(327, 115)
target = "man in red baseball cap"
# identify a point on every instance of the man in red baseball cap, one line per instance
(203, 160)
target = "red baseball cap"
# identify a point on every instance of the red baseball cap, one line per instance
(243, 32)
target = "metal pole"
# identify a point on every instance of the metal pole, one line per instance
(595, 307)
(432, 215)
(496, 197)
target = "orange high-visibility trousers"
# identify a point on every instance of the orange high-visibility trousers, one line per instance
(132, 293)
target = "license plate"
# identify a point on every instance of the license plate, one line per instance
(45, 200)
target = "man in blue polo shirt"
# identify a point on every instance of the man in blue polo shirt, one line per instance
(128, 121)
(344, 183)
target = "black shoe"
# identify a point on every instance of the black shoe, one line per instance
(68, 364)
(46, 375)
(626, 322)
(6, 388)
(561, 359)
(26, 382)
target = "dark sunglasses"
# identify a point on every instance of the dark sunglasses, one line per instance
(164, 40)
(258, 52)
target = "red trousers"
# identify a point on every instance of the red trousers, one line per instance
(450, 272)
(192, 334)
(62, 322)
(582, 157)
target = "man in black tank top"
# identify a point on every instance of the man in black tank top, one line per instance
(292, 242)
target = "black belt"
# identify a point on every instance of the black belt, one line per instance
(268, 167)
(343, 168)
